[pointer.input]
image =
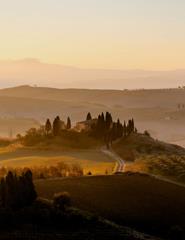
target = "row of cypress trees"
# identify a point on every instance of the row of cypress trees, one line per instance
(107, 129)
(56, 127)
(105, 123)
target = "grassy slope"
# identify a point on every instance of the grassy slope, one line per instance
(128, 200)
(89, 160)
(153, 156)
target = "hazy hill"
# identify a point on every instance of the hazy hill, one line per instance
(116, 98)
(32, 71)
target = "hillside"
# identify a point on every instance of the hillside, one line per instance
(11, 126)
(152, 156)
(153, 110)
(165, 98)
(128, 200)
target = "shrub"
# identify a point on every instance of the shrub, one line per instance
(62, 200)
(176, 232)
(146, 133)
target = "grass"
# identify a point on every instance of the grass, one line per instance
(89, 160)
(172, 167)
(145, 154)
(135, 200)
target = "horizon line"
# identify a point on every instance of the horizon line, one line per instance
(93, 89)
(41, 61)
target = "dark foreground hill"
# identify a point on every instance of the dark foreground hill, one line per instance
(135, 200)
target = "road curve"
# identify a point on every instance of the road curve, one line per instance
(120, 163)
(120, 166)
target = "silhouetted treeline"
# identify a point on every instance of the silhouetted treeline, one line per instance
(17, 191)
(61, 169)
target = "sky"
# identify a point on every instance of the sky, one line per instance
(110, 34)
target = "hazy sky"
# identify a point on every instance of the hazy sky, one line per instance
(148, 34)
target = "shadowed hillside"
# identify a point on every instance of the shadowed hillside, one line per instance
(128, 200)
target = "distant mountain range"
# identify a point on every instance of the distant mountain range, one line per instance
(34, 72)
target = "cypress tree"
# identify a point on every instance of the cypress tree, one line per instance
(56, 126)
(68, 123)
(133, 125)
(124, 129)
(129, 127)
(89, 117)
(114, 132)
(48, 126)
(28, 190)
(119, 129)
(108, 120)
(103, 127)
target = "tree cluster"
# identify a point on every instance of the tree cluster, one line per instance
(17, 191)
(107, 129)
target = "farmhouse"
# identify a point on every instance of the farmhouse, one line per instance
(86, 125)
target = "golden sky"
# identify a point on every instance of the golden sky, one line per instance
(129, 34)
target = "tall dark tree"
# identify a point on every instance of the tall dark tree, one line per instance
(100, 126)
(108, 120)
(130, 126)
(28, 190)
(89, 117)
(124, 129)
(48, 126)
(119, 129)
(68, 123)
(114, 132)
(57, 126)
(133, 126)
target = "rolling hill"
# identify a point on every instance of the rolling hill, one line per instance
(163, 98)
(153, 110)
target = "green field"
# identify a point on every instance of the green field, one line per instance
(141, 202)
(89, 160)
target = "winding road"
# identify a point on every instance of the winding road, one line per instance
(120, 163)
